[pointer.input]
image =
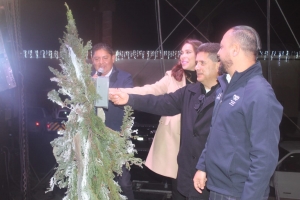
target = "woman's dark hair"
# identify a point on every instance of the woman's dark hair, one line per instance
(177, 70)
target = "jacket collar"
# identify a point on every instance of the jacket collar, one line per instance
(223, 81)
(247, 74)
(239, 77)
(194, 87)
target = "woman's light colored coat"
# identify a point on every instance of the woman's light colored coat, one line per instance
(162, 157)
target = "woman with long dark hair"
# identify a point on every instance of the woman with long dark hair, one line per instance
(162, 157)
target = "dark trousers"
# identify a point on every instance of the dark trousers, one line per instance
(204, 196)
(175, 193)
(125, 183)
(217, 196)
(195, 198)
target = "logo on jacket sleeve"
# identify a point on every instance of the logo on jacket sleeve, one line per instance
(234, 99)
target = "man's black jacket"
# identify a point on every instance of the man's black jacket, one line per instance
(196, 107)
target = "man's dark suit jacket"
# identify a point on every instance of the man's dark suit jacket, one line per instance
(114, 114)
(196, 108)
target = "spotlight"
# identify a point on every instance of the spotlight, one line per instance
(7, 80)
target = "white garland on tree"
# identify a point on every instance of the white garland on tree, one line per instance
(88, 153)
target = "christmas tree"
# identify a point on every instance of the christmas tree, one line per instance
(88, 153)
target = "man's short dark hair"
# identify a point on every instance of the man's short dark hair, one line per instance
(248, 38)
(103, 46)
(210, 48)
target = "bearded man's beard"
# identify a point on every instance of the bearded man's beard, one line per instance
(225, 65)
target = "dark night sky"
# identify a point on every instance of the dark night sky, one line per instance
(134, 25)
(135, 28)
(134, 21)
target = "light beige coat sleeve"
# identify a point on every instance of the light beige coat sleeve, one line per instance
(158, 88)
(162, 156)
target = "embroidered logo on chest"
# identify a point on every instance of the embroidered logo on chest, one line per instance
(234, 99)
(219, 96)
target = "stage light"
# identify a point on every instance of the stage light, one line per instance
(7, 80)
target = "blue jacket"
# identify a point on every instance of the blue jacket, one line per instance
(241, 152)
(114, 114)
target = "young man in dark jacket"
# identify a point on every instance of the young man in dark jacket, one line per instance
(241, 152)
(195, 103)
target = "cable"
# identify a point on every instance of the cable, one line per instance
(157, 27)
(48, 173)
(200, 23)
(160, 39)
(184, 17)
(291, 121)
(7, 168)
(165, 40)
(270, 25)
(268, 42)
(30, 165)
(287, 23)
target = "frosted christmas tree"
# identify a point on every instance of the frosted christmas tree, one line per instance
(88, 153)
